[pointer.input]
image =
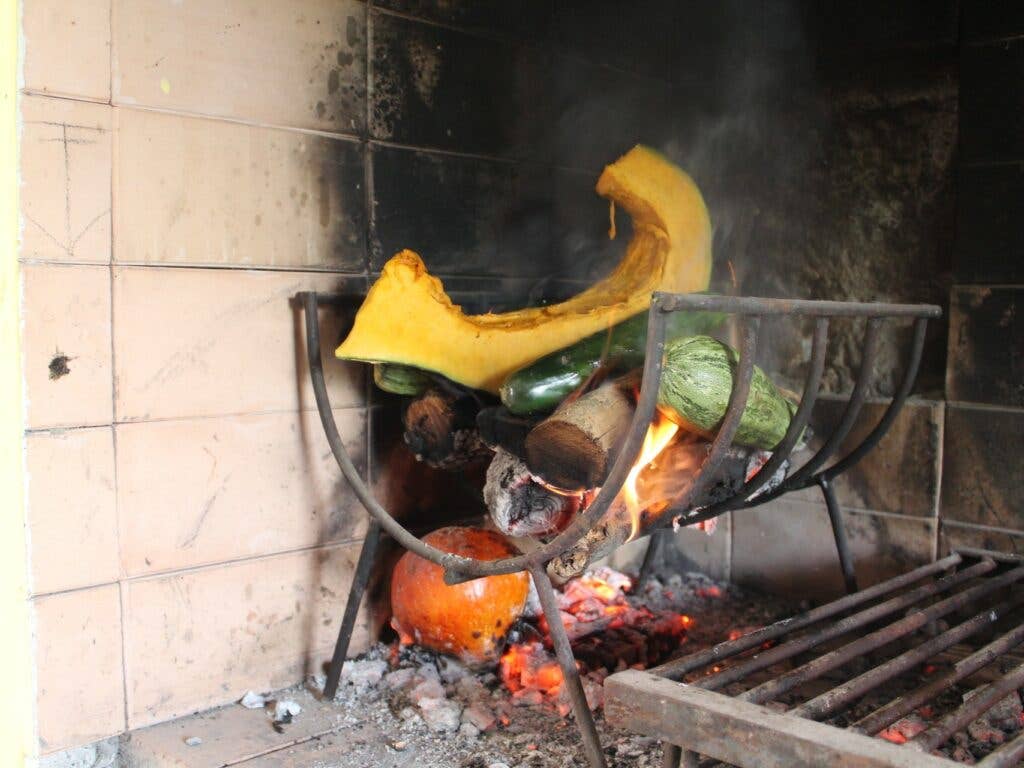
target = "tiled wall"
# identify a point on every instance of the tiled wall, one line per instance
(983, 474)
(186, 168)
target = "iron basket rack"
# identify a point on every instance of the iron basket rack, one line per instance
(748, 312)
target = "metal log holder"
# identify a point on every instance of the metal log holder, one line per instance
(748, 312)
(875, 635)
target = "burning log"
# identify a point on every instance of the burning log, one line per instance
(519, 506)
(440, 429)
(646, 501)
(573, 448)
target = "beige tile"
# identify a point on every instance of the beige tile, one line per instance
(203, 342)
(296, 64)
(202, 638)
(197, 191)
(786, 547)
(72, 513)
(232, 734)
(65, 180)
(67, 47)
(67, 314)
(78, 658)
(204, 491)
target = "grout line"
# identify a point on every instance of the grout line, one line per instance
(940, 450)
(35, 92)
(198, 568)
(350, 137)
(995, 41)
(966, 404)
(545, 44)
(981, 527)
(992, 163)
(511, 161)
(370, 225)
(241, 268)
(196, 417)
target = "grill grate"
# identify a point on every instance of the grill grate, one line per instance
(756, 701)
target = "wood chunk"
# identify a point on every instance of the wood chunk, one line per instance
(573, 448)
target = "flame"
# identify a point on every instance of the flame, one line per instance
(659, 435)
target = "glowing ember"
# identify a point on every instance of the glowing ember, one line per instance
(593, 607)
(658, 436)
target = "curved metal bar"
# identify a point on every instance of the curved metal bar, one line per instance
(803, 477)
(323, 403)
(796, 426)
(909, 377)
(733, 414)
(751, 305)
(458, 568)
(628, 453)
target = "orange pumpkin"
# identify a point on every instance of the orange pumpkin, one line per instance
(467, 620)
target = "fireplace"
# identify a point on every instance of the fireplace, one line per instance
(209, 193)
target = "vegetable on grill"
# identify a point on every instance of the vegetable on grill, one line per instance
(696, 383)
(408, 318)
(540, 386)
(400, 379)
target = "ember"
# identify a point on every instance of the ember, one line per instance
(607, 631)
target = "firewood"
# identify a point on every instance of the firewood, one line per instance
(676, 468)
(573, 449)
(440, 429)
(518, 505)
(500, 428)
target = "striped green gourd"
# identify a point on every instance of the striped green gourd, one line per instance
(695, 386)
(400, 379)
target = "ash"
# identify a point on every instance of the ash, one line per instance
(406, 706)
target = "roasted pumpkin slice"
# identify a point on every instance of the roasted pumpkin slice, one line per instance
(408, 318)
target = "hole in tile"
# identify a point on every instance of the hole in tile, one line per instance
(59, 365)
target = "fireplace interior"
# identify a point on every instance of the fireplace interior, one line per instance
(238, 548)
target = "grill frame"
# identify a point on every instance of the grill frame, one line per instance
(748, 312)
(697, 719)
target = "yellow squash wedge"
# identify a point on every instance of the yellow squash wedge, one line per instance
(407, 317)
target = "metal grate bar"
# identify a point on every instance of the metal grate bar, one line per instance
(841, 695)
(904, 705)
(802, 477)
(676, 668)
(982, 701)
(813, 669)
(857, 620)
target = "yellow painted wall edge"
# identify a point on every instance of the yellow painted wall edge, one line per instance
(17, 704)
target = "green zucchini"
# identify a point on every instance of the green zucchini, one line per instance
(400, 379)
(544, 383)
(695, 386)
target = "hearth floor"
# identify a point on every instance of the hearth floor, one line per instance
(359, 732)
(384, 718)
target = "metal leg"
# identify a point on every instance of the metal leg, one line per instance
(670, 754)
(367, 557)
(655, 555)
(570, 674)
(839, 532)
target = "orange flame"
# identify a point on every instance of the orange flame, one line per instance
(658, 436)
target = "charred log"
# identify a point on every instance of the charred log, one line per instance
(519, 506)
(440, 429)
